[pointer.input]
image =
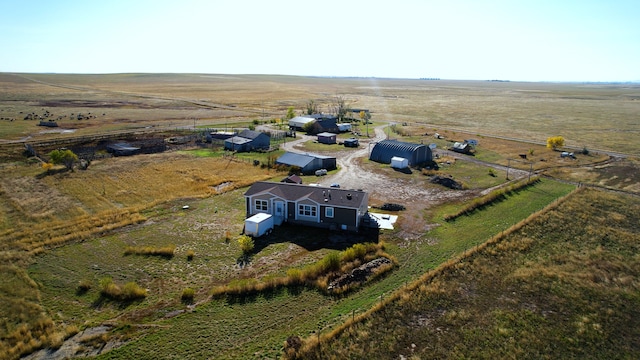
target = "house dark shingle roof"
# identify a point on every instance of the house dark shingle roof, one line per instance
(322, 195)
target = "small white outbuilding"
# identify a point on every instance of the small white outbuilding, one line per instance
(399, 162)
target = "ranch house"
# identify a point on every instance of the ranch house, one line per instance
(331, 208)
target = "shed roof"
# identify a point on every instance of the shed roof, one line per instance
(249, 134)
(384, 150)
(398, 145)
(326, 134)
(123, 147)
(301, 120)
(238, 140)
(295, 159)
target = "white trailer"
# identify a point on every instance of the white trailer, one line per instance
(258, 225)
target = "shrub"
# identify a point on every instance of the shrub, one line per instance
(331, 262)
(84, 286)
(130, 291)
(133, 291)
(555, 142)
(190, 255)
(246, 244)
(188, 294)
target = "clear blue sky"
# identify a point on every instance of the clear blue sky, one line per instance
(528, 40)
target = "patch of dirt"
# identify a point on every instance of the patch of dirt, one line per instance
(446, 182)
(89, 342)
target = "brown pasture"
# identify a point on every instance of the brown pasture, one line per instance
(596, 116)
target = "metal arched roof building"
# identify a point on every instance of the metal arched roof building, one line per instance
(384, 150)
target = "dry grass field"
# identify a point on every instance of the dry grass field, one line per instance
(72, 243)
(596, 116)
(563, 285)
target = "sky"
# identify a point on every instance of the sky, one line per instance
(517, 40)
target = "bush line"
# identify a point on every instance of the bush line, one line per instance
(317, 275)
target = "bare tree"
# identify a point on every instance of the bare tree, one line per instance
(312, 107)
(340, 107)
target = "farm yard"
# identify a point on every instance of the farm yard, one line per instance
(138, 256)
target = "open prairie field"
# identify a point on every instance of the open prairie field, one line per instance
(121, 260)
(596, 116)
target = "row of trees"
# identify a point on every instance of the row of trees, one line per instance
(338, 106)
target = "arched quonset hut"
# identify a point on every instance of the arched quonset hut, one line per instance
(415, 154)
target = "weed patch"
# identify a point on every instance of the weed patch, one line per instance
(166, 251)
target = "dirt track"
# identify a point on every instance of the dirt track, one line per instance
(414, 193)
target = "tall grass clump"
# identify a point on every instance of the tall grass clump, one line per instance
(130, 291)
(166, 251)
(188, 294)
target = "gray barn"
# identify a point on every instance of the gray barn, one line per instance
(416, 154)
(248, 140)
(308, 163)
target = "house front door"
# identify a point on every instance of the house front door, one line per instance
(279, 212)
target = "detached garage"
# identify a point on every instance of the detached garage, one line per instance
(414, 154)
(308, 163)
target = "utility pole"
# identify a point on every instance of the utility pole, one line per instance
(530, 170)
(508, 166)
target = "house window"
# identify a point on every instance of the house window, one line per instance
(328, 212)
(307, 210)
(262, 205)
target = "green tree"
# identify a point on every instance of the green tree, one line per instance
(308, 127)
(290, 113)
(65, 157)
(555, 142)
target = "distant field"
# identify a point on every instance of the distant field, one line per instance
(598, 116)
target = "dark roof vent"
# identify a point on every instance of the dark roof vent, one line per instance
(349, 196)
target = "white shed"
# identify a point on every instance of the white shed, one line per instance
(399, 162)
